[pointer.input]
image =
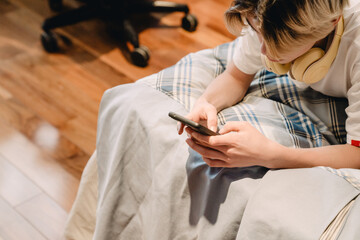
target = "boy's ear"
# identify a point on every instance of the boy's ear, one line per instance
(336, 20)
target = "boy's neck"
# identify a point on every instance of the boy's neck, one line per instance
(325, 43)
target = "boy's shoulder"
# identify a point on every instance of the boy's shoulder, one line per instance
(353, 7)
(352, 20)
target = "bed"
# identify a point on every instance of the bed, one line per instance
(143, 182)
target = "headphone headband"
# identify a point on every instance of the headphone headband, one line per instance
(331, 53)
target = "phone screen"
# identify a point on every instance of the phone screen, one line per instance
(193, 125)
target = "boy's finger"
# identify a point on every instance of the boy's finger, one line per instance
(180, 128)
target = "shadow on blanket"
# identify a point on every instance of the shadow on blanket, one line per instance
(209, 186)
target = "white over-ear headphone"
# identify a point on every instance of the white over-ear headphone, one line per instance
(313, 65)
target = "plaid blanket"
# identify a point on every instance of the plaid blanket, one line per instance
(305, 117)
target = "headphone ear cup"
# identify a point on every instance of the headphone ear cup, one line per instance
(275, 67)
(315, 73)
(303, 63)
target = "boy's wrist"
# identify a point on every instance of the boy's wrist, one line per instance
(279, 156)
(206, 100)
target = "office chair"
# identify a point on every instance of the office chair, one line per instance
(113, 10)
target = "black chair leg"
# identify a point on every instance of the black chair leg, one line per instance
(71, 17)
(140, 55)
(189, 22)
(50, 40)
(159, 6)
(55, 5)
(130, 33)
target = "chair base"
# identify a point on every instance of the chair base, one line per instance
(114, 11)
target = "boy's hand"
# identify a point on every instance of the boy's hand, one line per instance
(239, 145)
(203, 113)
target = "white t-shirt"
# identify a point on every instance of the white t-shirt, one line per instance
(343, 78)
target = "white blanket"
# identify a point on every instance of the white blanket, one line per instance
(152, 187)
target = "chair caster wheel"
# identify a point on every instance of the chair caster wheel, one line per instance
(189, 23)
(49, 42)
(55, 5)
(140, 56)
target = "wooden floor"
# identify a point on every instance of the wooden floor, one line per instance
(49, 102)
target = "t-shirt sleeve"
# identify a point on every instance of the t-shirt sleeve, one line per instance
(353, 110)
(247, 55)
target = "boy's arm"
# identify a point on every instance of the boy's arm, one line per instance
(335, 156)
(242, 145)
(228, 88)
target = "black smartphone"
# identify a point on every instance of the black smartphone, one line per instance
(197, 127)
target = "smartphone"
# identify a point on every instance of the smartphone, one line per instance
(193, 125)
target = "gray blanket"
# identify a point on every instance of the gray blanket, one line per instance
(151, 186)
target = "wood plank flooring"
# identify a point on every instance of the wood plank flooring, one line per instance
(49, 102)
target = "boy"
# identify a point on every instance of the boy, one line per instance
(283, 40)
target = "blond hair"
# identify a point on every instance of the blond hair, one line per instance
(285, 23)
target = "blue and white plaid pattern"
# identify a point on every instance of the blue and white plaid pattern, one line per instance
(309, 118)
(274, 105)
